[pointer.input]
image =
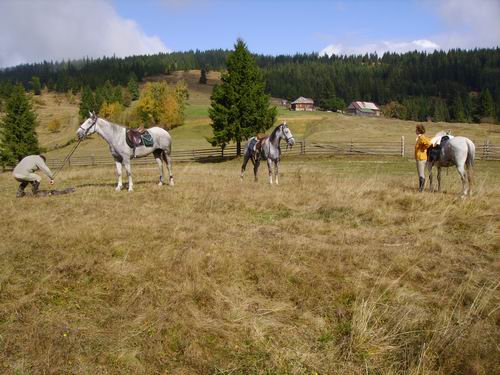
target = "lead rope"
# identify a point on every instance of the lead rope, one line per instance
(67, 158)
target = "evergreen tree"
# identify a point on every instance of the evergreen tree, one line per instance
(35, 84)
(239, 106)
(486, 104)
(457, 109)
(99, 98)
(17, 128)
(133, 88)
(440, 110)
(203, 76)
(87, 103)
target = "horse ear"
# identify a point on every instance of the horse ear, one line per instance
(284, 123)
(90, 114)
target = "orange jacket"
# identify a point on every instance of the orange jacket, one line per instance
(421, 147)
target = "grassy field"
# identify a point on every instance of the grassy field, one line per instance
(343, 268)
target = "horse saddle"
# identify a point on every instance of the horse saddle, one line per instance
(434, 152)
(259, 139)
(138, 137)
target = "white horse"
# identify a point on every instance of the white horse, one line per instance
(115, 136)
(267, 148)
(457, 151)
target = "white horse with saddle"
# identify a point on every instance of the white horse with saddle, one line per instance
(447, 150)
(125, 144)
(267, 148)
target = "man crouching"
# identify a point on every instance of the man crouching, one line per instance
(23, 172)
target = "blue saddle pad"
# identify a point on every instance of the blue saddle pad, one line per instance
(147, 139)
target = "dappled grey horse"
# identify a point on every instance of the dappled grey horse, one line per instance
(115, 135)
(448, 151)
(267, 149)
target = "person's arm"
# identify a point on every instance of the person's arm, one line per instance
(426, 141)
(43, 167)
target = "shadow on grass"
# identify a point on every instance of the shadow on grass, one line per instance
(215, 159)
(113, 184)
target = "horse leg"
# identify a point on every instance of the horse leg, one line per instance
(461, 172)
(276, 170)
(157, 155)
(168, 160)
(129, 174)
(256, 168)
(270, 169)
(439, 179)
(470, 177)
(244, 165)
(119, 174)
(429, 168)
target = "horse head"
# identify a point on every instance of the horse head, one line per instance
(287, 135)
(88, 127)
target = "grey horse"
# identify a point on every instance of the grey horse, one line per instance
(267, 148)
(115, 135)
(449, 150)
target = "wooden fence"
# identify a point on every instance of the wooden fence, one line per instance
(484, 151)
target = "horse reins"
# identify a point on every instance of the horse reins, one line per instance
(74, 148)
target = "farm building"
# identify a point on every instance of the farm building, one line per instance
(302, 104)
(363, 109)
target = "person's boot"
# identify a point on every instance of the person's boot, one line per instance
(35, 187)
(421, 184)
(20, 191)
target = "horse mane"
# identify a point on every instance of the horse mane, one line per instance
(273, 134)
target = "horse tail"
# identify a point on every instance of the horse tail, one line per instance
(469, 162)
(471, 153)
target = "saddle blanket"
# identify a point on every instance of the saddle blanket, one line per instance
(146, 140)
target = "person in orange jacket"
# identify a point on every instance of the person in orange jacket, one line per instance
(421, 146)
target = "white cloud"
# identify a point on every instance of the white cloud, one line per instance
(32, 31)
(467, 23)
(380, 47)
(470, 23)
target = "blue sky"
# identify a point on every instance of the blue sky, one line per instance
(37, 30)
(281, 27)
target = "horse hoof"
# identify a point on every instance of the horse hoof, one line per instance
(130, 190)
(118, 188)
(160, 183)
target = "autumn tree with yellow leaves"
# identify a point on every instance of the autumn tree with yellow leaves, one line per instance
(162, 104)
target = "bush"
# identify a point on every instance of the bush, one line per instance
(111, 111)
(54, 125)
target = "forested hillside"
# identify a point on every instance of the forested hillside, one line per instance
(457, 85)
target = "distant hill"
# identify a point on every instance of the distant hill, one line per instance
(461, 85)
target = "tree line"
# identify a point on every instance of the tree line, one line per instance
(457, 85)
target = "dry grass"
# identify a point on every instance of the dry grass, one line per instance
(343, 268)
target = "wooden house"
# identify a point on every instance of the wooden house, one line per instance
(363, 109)
(302, 104)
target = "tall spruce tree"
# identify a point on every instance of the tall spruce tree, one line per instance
(17, 128)
(87, 103)
(133, 88)
(35, 84)
(486, 104)
(203, 76)
(239, 106)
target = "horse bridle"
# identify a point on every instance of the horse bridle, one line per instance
(284, 134)
(90, 127)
